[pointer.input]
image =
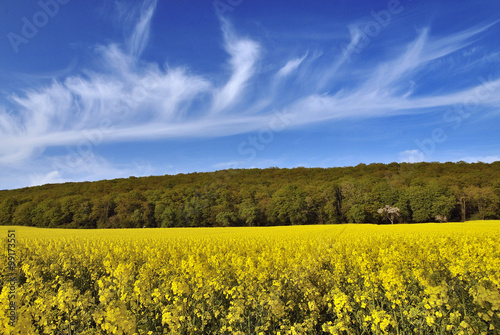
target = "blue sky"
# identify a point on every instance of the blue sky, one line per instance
(111, 89)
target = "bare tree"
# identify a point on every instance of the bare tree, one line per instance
(389, 213)
(441, 218)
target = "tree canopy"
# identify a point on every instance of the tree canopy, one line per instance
(423, 192)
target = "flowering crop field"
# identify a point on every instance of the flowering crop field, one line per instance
(325, 279)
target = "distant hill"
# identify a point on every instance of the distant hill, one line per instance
(423, 192)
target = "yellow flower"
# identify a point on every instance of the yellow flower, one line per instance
(242, 280)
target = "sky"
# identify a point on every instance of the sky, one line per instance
(93, 90)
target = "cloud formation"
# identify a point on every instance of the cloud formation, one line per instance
(291, 66)
(127, 99)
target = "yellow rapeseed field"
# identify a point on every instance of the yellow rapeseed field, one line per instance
(325, 279)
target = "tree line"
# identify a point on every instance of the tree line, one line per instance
(422, 192)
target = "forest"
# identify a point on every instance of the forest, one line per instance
(423, 192)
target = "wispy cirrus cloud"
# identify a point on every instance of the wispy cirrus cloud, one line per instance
(291, 66)
(244, 55)
(140, 35)
(126, 98)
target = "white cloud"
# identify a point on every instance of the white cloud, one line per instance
(140, 36)
(149, 102)
(483, 159)
(244, 54)
(124, 98)
(83, 165)
(411, 156)
(356, 35)
(291, 66)
(53, 177)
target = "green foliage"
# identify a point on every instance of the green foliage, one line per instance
(423, 192)
(248, 212)
(443, 206)
(166, 216)
(226, 219)
(483, 201)
(23, 214)
(357, 214)
(421, 199)
(289, 206)
(7, 209)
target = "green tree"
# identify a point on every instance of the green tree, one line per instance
(483, 200)
(289, 206)
(331, 203)
(442, 207)
(248, 212)
(357, 214)
(57, 217)
(420, 201)
(103, 208)
(166, 216)
(422, 191)
(264, 204)
(82, 214)
(196, 212)
(7, 209)
(23, 214)
(355, 199)
(131, 210)
(226, 219)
